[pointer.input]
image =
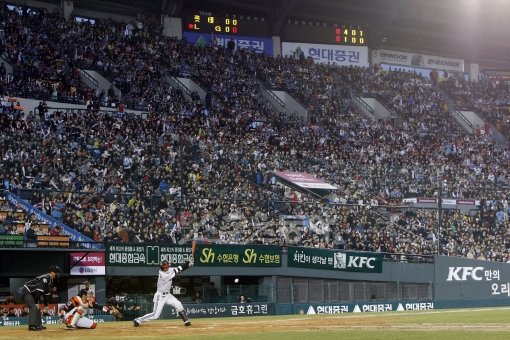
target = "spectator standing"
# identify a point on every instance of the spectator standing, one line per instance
(25, 312)
(12, 313)
(30, 235)
(45, 311)
(197, 298)
(10, 300)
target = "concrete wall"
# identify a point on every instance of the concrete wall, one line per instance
(31, 104)
(473, 118)
(274, 103)
(292, 107)
(102, 83)
(8, 66)
(358, 101)
(172, 27)
(463, 121)
(192, 86)
(380, 112)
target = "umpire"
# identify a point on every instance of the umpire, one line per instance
(31, 292)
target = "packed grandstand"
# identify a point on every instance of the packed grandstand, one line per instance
(204, 168)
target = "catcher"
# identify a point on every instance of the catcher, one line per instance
(74, 309)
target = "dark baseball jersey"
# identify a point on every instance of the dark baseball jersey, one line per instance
(40, 286)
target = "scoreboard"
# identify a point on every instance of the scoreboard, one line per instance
(201, 21)
(331, 34)
(206, 22)
(349, 35)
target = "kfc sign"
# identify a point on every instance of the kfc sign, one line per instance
(465, 273)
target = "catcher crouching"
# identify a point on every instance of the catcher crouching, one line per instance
(73, 312)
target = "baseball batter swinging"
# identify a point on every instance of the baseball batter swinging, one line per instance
(163, 295)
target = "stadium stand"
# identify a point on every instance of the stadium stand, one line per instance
(204, 170)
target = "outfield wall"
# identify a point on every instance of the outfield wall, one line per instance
(293, 279)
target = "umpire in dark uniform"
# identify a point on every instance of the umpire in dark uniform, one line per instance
(32, 291)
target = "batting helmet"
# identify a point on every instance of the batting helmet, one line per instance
(164, 265)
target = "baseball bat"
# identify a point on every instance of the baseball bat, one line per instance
(193, 248)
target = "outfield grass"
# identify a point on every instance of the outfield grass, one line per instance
(461, 324)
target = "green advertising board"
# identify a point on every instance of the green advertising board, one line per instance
(334, 260)
(11, 241)
(223, 255)
(136, 254)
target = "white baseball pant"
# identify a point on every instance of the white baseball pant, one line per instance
(160, 300)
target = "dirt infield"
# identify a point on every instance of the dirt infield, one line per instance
(369, 326)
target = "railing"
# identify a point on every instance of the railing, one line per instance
(89, 78)
(275, 97)
(364, 104)
(79, 110)
(181, 85)
(46, 242)
(465, 120)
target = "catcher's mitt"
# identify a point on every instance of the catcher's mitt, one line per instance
(116, 313)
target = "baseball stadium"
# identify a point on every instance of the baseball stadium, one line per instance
(268, 169)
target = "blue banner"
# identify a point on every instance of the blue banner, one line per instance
(73, 234)
(256, 44)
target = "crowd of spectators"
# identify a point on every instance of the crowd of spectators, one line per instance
(47, 52)
(41, 56)
(196, 169)
(488, 97)
(9, 308)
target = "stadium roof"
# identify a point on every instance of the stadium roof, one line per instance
(475, 30)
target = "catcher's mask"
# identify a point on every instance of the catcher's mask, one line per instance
(164, 265)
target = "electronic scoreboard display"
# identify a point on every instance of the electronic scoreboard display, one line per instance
(207, 22)
(331, 34)
(201, 21)
(349, 35)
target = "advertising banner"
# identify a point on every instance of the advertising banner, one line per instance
(219, 255)
(11, 241)
(93, 263)
(142, 255)
(255, 44)
(334, 260)
(468, 279)
(417, 60)
(362, 307)
(304, 180)
(444, 201)
(328, 54)
(59, 241)
(220, 310)
(29, 209)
